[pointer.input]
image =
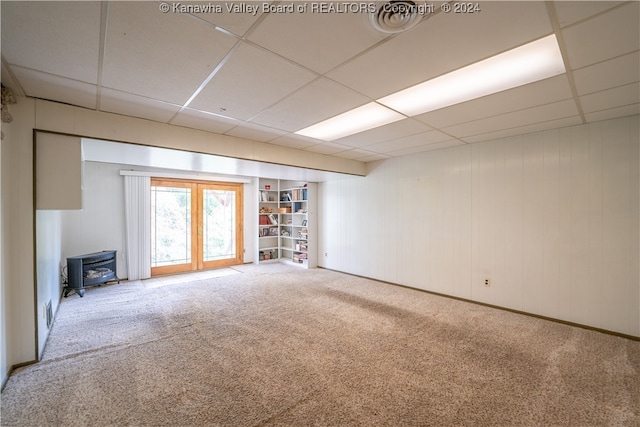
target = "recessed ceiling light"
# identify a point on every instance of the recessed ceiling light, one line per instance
(529, 63)
(357, 120)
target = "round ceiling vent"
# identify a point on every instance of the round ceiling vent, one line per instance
(395, 16)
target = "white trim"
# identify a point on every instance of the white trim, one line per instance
(199, 177)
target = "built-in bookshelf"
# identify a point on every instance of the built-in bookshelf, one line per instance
(268, 221)
(287, 226)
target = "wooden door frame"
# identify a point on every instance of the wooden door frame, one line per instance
(238, 189)
(197, 218)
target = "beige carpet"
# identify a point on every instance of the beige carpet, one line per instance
(280, 346)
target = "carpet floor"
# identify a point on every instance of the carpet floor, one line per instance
(275, 345)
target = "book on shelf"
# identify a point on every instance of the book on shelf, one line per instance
(299, 194)
(273, 219)
(285, 197)
(299, 258)
(264, 220)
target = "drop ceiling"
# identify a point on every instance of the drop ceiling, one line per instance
(264, 76)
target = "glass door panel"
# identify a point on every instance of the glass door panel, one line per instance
(195, 225)
(219, 225)
(172, 233)
(221, 230)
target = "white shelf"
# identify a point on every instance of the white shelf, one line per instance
(294, 195)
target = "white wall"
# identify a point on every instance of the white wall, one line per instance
(18, 318)
(58, 185)
(100, 224)
(58, 173)
(552, 218)
(48, 256)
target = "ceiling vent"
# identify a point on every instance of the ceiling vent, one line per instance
(395, 16)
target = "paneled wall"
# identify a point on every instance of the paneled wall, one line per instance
(18, 329)
(550, 218)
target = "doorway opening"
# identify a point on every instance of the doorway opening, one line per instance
(195, 225)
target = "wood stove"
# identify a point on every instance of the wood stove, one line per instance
(90, 270)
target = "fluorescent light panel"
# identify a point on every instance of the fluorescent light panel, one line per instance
(357, 120)
(529, 63)
(532, 62)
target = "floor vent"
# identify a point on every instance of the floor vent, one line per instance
(49, 314)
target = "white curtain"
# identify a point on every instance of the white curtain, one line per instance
(137, 206)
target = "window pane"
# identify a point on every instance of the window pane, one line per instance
(219, 225)
(170, 226)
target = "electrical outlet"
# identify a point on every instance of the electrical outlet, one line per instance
(487, 282)
(325, 254)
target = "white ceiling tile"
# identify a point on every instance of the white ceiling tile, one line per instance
(527, 96)
(255, 132)
(442, 43)
(136, 106)
(570, 12)
(294, 141)
(49, 86)
(616, 72)
(206, 121)
(520, 130)
(612, 113)
(393, 130)
(423, 148)
(317, 101)
(235, 17)
(354, 154)
(372, 158)
(9, 80)
(322, 40)
(514, 119)
(611, 98)
(250, 81)
(605, 36)
(411, 141)
(61, 38)
(158, 55)
(327, 148)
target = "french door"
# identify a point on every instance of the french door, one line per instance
(195, 225)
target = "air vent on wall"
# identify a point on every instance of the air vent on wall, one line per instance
(395, 16)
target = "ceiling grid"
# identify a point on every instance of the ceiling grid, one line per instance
(266, 75)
